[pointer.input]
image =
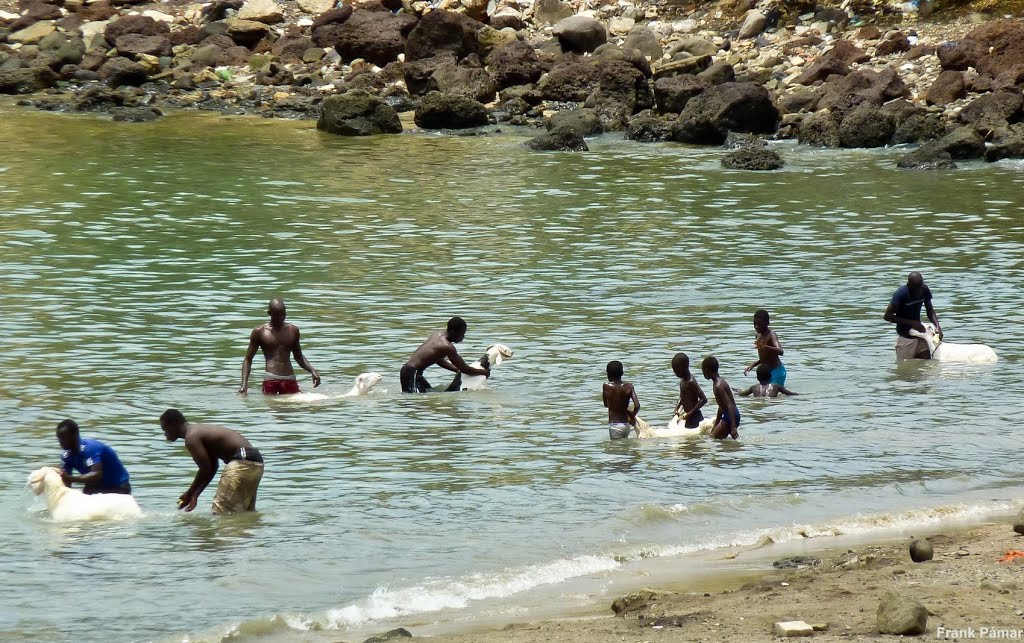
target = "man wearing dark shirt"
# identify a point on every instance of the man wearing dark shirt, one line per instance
(101, 469)
(905, 311)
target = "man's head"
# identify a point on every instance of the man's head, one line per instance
(764, 373)
(173, 422)
(277, 312)
(681, 364)
(614, 370)
(709, 367)
(68, 435)
(761, 320)
(915, 283)
(456, 330)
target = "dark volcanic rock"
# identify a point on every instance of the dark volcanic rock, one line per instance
(999, 106)
(26, 80)
(121, 71)
(375, 36)
(473, 82)
(437, 110)
(753, 158)
(821, 69)
(962, 143)
(135, 114)
(570, 81)
(419, 74)
(515, 63)
(948, 87)
(1009, 149)
(141, 25)
(819, 128)
(441, 31)
(672, 93)
(737, 107)
(622, 91)
(134, 44)
(561, 139)
(648, 127)
(866, 126)
(927, 157)
(357, 113)
(584, 121)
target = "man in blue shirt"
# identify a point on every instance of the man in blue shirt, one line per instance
(905, 311)
(101, 469)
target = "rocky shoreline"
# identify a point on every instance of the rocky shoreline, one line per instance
(858, 74)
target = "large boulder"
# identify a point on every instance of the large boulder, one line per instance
(438, 110)
(958, 56)
(561, 139)
(441, 31)
(515, 64)
(142, 25)
(580, 34)
(753, 157)
(1012, 148)
(648, 127)
(622, 91)
(584, 121)
(866, 126)
(119, 71)
(326, 26)
(549, 12)
(570, 81)
(819, 128)
(947, 87)
(266, 11)
(26, 80)
(375, 36)
(419, 74)
(732, 107)
(672, 93)
(473, 82)
(643, 39)
(962, 143)
(358, 113)
(134, 45)
(898, 614)
(927, 157)
(998, 107)
(919, 127)
(1003, 43)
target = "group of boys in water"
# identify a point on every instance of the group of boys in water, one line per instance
(101, 471)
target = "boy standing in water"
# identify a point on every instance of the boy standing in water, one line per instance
(764, 387)
(727, 421)
(769, 350)
(691, 397)
(617, 396)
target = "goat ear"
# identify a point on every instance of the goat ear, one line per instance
(497, 359)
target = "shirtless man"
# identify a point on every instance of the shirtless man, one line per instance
(278, 341)
(764, 386)
(617, 395)
(438, 349)
(691, 397)
(727, 420)
(208, 443)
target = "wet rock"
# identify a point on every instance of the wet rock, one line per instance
(390, 635)
(437, 110)
(441, 31)
(633, 602)
(1018, 524)
(921, 551)
(919, 127)
(561, 139)
(135, 114)
(962, 143)
(866, 126)
(647, 127)
(927, 157)
(118, 72)
(948, 87)
(515, 64)
(671, 94)
(753, 157)
(357, 113)
(819, 129)
(898, 614)
(580, 34)
(570, 81)
(737, 107)
(584, 121)
(26, 80)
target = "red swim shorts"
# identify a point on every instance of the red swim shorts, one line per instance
(280, 387)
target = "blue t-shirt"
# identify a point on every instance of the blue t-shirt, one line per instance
(907, 306)
(91, 452)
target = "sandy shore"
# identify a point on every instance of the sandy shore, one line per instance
(962, 587)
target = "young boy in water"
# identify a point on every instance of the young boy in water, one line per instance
(617, 396)
(691, 397)
(769, 350)
(764, 386)
(727, 421)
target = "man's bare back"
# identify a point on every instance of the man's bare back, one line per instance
(617, 396)
(216, 442)
(430, 352)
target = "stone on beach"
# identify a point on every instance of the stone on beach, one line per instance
(899, 614)
(633, 602)
(580, 34)
(358, 113)
(921, 551)
(752, 157)
(793, 628)
(438, 110)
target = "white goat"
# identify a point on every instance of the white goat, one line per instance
(493, 357)
(949, 352)
(675, 429)
(364, 383)
(67, 504)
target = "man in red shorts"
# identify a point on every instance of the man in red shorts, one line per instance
(278, 341)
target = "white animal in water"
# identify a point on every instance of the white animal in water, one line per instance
(67, 504)
(492, 357)
(675, 429)
(363, 385)
(949, 352)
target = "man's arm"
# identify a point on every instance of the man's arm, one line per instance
(932, 316)
(890, 316)
(94, 476)
(254, 345)
(745, 392)
(207, 469)
(786, 391)
(636, 404)
(463, 367)
(301, 360)
(446, 365)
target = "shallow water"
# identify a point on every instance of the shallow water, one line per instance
(138, 257)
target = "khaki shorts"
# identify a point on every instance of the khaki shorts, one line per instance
(236, 490)
(911, 347)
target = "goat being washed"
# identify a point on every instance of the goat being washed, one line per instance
(67, 504)
(493, 357)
